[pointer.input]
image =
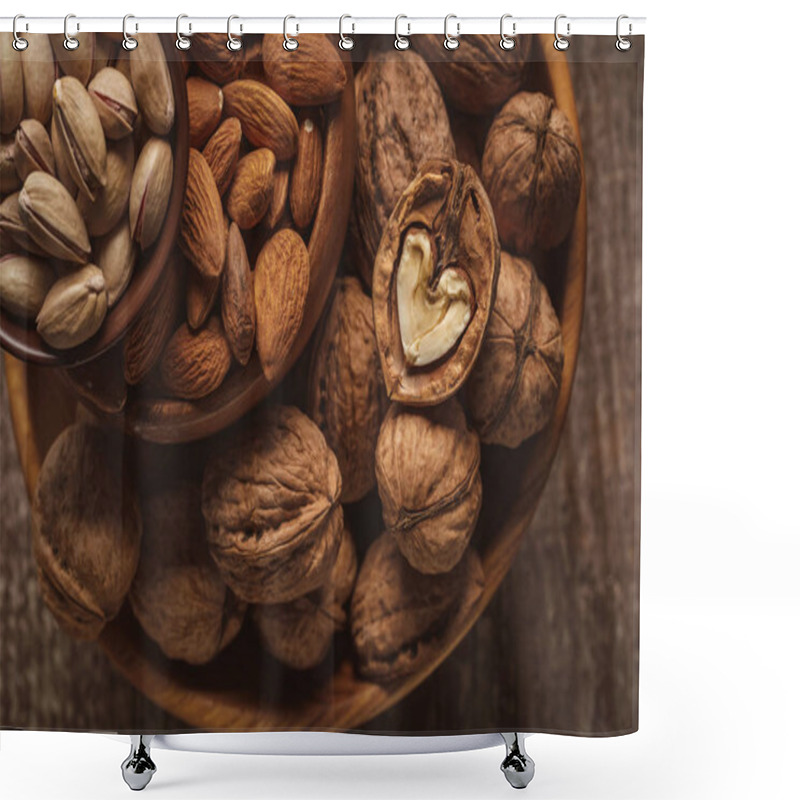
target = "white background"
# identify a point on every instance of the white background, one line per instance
(721, 434)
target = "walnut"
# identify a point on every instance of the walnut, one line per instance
(346, 396)
(178, 595)
(513, 388)
(86, 529)
(401, 122)
(400, 619)
(532, 171)
(299, 633)
(271, 505)
(434, 283)
(427, 465)
(477, 77)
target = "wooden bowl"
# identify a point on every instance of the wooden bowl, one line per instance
(21, 338)
(243, 689)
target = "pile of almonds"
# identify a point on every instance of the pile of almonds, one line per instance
(85, 177)
(439, 339)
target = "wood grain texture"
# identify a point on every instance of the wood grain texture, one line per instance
(559, 640)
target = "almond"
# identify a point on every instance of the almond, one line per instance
(205, 109)
(238, 299)
(251, 190)
(194, 364)
(203, 232)
(266, 120)
(210, 52)
(281, 290)
(201, 294)
(312, 75)
(307, 173)
(222, 152)
(280, 195)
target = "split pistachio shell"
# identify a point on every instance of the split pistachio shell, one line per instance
(39, 71)
(60, 157)
(81, 134)
(152, 84)
(12, 230)
(74, 308)
(52, 219)
(24, 284)
(111, 201)
(150, 190)
(116, 256)
(9, 180)
(32, 149)
(115, 102)
(11, 86)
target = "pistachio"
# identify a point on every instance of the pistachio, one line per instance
(13, 231)
(78, 63)
(11, 93)
(32, 149)
(150, 190)
(24, 283)
(115, 102)
(74, 308)
(111, 201)
(52, 219)
(152, 84)
(39, 73)
(115, 256)
(81, 133)
(60, 157)
(9, 180)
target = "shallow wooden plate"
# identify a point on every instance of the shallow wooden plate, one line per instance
(242, 689)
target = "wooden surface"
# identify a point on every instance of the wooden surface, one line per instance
(573, 589)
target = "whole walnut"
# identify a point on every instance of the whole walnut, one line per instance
(427, 465)
(346, 397)
(401, 121)
(513, 388)
(400, 618)
(477, 77)
(532, 172)
(272, 511)
(299, 633)
(178, 595)
(86, 529)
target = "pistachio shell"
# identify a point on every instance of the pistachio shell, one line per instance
(9, 180)
(32, 149)
(111, 201)
(24, 283)
(81, 134)
(115, 102)
(74, 308)
(150, 190)
(39, 71)
(52, 219)
(13, 231)
(11, 86)
(77, 63)
(115, 256)
(60, 157)
(152, 84)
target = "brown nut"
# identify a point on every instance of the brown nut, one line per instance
(78, 63)
(15, 235)
(222, 153)
(513, 389)
(116, 256)
(111, 201)
(434, 283)
(401, 123)
(238, 303)
(205, 109)
(280, 196)
(212, 56)
(32, 149)
(532, 171)
(306, 186)
(12, 96)
(346, 396)
(152, 83)
(115, 102)
(201, 297)
(151, 186)
(86, 529)
(427, 465)
(39, 75)
(251, 189)
(9, 180)
(178, 595)
(299, 633)
(271, 504)
(400, 618)
(24, 284)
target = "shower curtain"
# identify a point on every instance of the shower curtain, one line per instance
(321, 384)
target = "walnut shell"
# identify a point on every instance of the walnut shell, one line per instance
(401, 122)
(178, 595)
(427, 464)
(513, 389)
(532, 171)
(86, 529)
(478, 76)
(434, 283)
(271, 504)
(346, 397)
(400, 619)
(299, 633)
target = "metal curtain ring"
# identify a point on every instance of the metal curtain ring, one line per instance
(19, 43)
(234, 42)
(182, 42)
(289, 42)
(346, 42)
(128, 42)
(451, 42)
(623, 44)
(507, 42)
(401, 42)
(561, 42)
(70, 42)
